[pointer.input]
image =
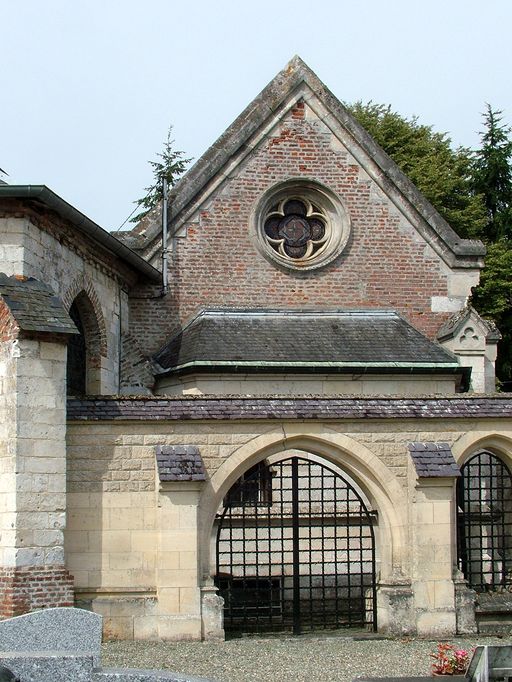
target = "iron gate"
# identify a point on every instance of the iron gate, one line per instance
(295, 551)
(484, 523)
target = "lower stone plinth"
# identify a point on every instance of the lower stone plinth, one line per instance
(30, 588)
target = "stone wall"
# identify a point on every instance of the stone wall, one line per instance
(296, 384)
(43, 246)
(141, 550)
(33, 478)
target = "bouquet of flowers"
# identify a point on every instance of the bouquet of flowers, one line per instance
(450, 661)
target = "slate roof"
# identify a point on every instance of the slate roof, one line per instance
(308, 341)
(432, 460)
(34, 306)
(294, 82)
(185, 408)
(179, 463)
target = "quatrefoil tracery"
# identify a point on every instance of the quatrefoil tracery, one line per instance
(296, 229)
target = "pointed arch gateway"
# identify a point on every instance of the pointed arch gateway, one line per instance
(484, 522)
(295, 548)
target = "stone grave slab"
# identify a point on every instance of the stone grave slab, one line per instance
(59, 629)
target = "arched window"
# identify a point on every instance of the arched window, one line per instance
(484, 523)
(295, 549)
(77, 356)
(84, 349)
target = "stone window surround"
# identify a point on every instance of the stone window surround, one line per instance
(337, 222)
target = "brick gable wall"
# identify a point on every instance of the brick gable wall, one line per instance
(386, 264)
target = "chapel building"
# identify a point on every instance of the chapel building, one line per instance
(280, 417)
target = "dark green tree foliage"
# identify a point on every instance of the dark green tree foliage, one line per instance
(171, 166)
(493, 299)
(492, 173)
(471, 190)
(442, 174)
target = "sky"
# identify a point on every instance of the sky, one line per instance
(89, 88)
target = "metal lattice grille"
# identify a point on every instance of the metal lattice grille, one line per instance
(299, 558)
(484, 504)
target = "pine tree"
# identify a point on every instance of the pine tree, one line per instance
(492, 179)
(492, 175)
(171, 167)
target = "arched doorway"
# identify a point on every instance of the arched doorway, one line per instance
(484, 522)
(295, 549)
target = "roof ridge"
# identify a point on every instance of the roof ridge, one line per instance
(453, 249)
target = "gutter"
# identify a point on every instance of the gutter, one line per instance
(360, 368)
(82, 223)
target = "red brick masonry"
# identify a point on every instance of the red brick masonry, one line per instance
(34, 587)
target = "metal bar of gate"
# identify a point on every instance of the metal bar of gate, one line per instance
(295, 546)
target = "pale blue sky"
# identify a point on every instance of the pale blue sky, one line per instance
(89, 87)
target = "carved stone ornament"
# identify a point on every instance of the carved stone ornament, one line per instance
(301, 225)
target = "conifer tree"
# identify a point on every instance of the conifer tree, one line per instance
(492, 175)
(171, 166)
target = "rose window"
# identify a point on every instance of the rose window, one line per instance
(300, 225)
(296, 229)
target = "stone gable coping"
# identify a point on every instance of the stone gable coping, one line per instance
(432, 460)
(180, 463)
(187, 408)
(460, 252)
(450, 328)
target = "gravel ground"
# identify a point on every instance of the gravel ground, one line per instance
(281, 659)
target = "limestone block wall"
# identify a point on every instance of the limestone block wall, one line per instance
(432, 538)
(8, 386)
(33, 478)
(140, 550)
(36, 248)
(242, 384)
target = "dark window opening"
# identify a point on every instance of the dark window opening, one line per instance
(77, 356)
(254, 487)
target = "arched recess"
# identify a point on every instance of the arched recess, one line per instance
(86, 350)
(377, 483)
(484, 511)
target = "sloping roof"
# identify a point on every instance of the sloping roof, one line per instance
(224, 340)
(34, 306)
(450, 328)
(185, 408)
(82, 223)
(432, 460)
(180, 463)
(297, 81)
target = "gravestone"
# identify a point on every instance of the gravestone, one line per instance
(7, 675)
(59, 629)
(64, 645)
(490, 663)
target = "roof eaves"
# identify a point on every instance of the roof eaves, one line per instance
(82, 223)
